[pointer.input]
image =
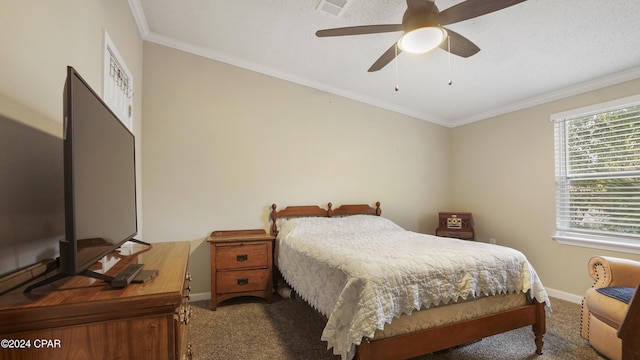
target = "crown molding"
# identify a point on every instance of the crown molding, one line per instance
(608, 80)
(138, 16)
(253, 66)
(599, 83)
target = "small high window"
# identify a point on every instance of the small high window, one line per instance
(117, 83)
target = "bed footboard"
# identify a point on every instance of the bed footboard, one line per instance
(447, 336)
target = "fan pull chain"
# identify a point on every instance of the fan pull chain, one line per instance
(396, 61)
(449, 45)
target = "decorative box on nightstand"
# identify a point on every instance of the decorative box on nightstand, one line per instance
(455, 225)
(241, 264)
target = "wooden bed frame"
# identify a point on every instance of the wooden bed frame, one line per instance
(434, 339)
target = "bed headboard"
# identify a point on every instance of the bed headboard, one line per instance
(314, 210)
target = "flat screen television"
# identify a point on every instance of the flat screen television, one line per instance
(31, 196)
(99, 181)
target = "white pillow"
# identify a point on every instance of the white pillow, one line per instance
(337, 225)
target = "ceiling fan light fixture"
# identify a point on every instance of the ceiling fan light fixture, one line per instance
(422, 40)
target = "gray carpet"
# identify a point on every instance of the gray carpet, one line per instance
(249, 328)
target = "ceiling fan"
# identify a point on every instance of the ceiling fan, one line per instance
(423, 29)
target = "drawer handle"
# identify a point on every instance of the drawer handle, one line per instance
(243, 257)
(243, 281)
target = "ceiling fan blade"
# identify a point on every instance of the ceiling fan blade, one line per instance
(385, 58)
(471, 9)
(460, 45)
(359, 30)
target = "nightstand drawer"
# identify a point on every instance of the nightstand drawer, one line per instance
(241, 281)
(239, 256)
(464, 235)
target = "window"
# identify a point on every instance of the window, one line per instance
(117, 83)
(598, 176)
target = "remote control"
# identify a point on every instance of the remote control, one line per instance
(126, 276)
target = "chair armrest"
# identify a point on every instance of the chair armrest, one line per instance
(611, 271)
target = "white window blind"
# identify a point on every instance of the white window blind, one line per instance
(598, 174)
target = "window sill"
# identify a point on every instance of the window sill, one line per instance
(620, 244)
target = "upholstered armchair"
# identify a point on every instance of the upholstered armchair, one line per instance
(605, 304)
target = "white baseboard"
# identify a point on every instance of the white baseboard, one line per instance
(201, 296)
(564, 296)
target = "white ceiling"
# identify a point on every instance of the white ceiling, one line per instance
(532, 52)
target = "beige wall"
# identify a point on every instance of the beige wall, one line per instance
(221, 144)
(503, 171)
(39, 38)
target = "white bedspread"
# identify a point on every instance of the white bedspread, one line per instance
(362, 271)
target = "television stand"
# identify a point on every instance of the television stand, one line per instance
(141, 242)
(26, 274)
(90, 273)
(62, 275)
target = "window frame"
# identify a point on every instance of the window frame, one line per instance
(618, 242)
(119, 102)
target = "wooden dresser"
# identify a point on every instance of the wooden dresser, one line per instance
(241, 264)
(84, 318)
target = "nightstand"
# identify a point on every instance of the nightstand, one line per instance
(241, 264)
(455, 225)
